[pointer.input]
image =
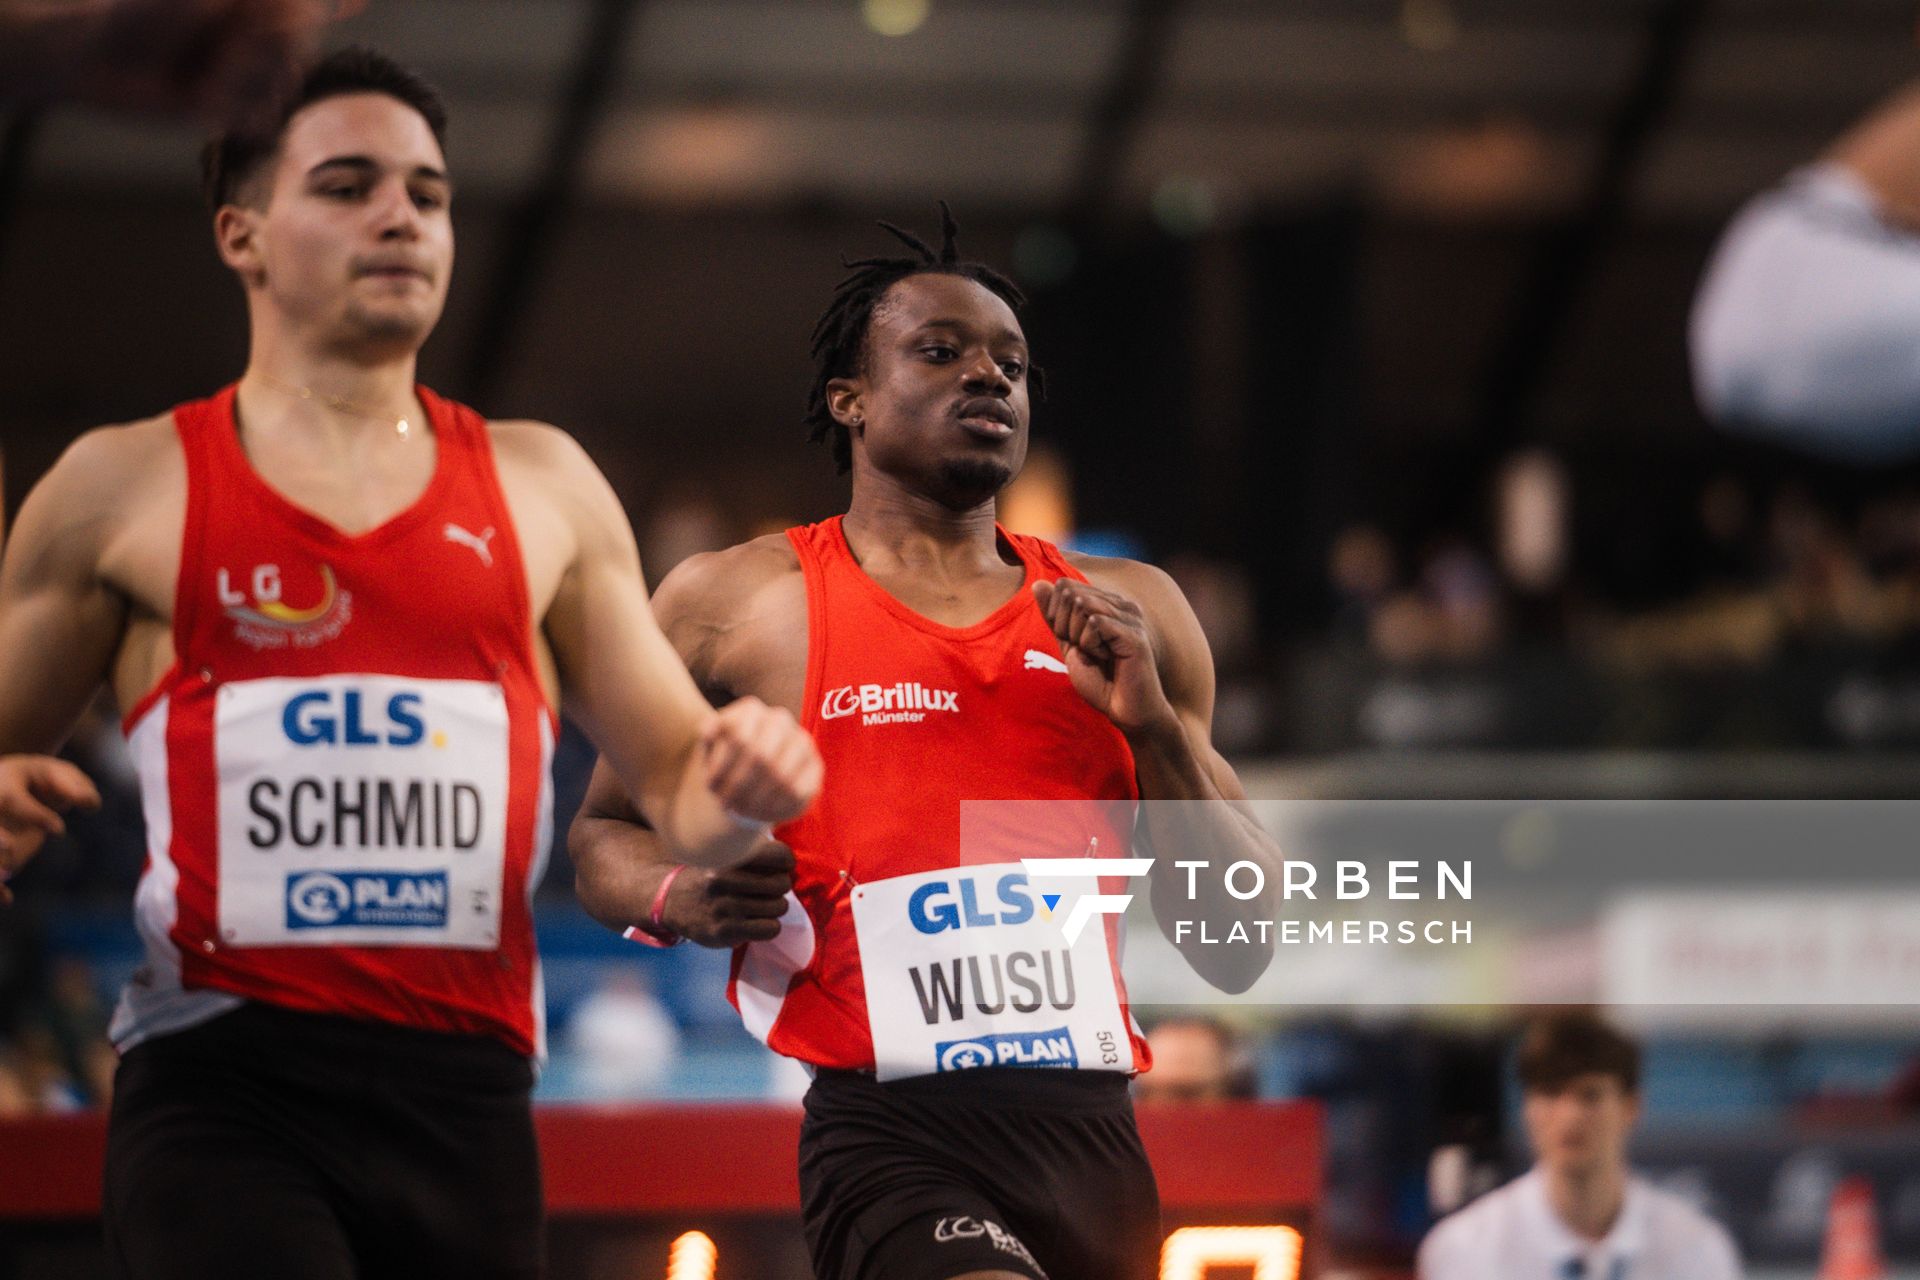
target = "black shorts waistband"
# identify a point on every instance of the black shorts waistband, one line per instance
(1027, 1088)
(260, 1032)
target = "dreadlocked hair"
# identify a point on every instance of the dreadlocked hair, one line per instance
(840, 337)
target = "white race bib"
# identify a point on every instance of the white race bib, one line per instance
(367, 810)
(967, 967)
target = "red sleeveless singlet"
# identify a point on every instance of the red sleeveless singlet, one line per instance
(345, 774)
(914, 718)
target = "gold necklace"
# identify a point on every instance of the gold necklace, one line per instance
(401, 427)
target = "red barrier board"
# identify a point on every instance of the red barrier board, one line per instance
(635, 1161)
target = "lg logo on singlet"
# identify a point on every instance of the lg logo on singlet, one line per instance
(265, 620)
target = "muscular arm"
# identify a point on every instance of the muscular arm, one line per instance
(1136, 651)
(619, 862)
(60, 624)
(684, 764)
(59, 620)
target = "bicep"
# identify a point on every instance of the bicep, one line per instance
(607, 800)
(1187, 676)
(620, 677)
(60, 623)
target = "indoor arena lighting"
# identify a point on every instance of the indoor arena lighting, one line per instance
(692, 1257)
(896, 17)
(1191, 1252)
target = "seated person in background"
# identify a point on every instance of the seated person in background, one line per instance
(1195, 1059)
(1579, 1214)
(1803, 326)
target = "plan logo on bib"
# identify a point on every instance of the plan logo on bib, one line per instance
(265, 619)
(366, 899)
(1050, 1048)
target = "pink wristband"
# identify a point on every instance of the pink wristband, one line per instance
(660, 899)
(653, 933)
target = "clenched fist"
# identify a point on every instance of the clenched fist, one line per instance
(741, 904)
(34, 792)
(760, 763)
(1109, 652)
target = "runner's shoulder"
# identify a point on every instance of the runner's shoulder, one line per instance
(104, 466)
(1148, 586)
(738, 581)
(537, 446)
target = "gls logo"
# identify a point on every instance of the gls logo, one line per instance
(1087, 906)
(313, 719)
(929, 916)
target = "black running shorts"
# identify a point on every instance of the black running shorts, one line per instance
(1035, 1172)
(269, 1142)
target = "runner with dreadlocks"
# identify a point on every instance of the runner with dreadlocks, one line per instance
(937, 658)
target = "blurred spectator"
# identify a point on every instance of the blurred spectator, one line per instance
(1579, 1214)
(1803, 328)
(1222, 597)
(1194, 1060)
(1903, 1095)
(41, 1073)
(1362, 573)
(1222, 600)
(1804, 580)
(214, 57)
(684, 524)
(16, 1098)
(626, 1040)
(1533, 521)
(1534, 495)
(76, 1021)
(1730, 556)
(1465, 594)
(1453, 615)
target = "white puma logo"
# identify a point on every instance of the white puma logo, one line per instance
(479, 543)
(1038, 661)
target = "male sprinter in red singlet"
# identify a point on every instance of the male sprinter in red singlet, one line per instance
(340, 613)
(937, 658)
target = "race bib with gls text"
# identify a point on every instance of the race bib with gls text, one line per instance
(969, 967)
(361, 810)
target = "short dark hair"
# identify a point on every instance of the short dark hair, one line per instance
(840, 337)
(231, 160)
(1559, 1047)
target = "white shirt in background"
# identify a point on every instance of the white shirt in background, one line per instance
(1514, 1234)
(1807, 323)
